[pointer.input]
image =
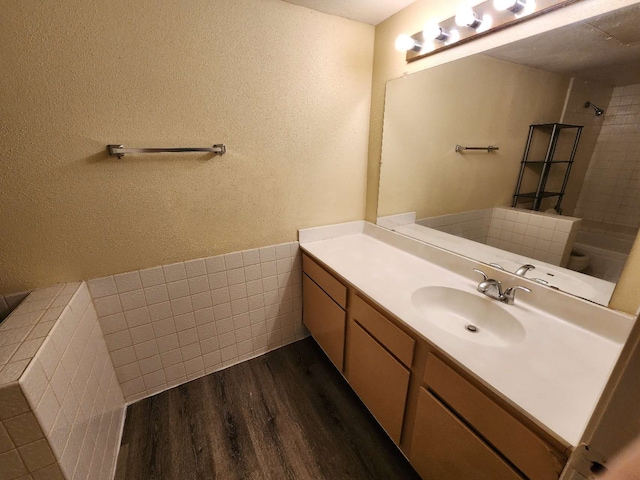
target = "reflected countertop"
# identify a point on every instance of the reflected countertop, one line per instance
(575, 283)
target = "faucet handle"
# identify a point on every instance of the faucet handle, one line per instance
(522, 271)
(496, 265)
(481, 273)
(510, 293)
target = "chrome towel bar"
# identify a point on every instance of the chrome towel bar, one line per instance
(120, 150)
(490, 148)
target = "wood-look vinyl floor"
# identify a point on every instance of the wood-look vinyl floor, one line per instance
(288, 414)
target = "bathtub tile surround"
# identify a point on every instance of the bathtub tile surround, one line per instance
(61, 406)
(609, 200)
(610, 191)
(607, 246)
(166, 325)
(537, 235)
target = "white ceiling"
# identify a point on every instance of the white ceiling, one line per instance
(366, 11)
(604, 49)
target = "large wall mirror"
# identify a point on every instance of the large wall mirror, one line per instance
(585, 74)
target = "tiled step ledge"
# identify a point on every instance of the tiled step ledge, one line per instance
(61, 407)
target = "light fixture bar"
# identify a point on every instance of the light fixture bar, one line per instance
(501, 19)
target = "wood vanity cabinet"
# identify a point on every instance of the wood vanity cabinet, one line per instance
(379, 357)
(448, 424)
(489, 438)
(444, 448)
(324, 302)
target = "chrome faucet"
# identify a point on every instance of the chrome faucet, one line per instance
(489, 286)
(509, 296)
(492, 288)
(522, 271)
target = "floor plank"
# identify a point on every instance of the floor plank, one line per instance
(288, 414)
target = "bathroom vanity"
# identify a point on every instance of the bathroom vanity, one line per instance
(466, 386)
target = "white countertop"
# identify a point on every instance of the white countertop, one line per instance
(555, 375)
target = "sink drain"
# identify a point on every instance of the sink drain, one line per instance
(472, 328)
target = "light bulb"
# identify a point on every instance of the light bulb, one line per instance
(405, 43)
(427, 47)
(466, 17)
(433, 31)
(486, 24)
(511, 5)
(454, 36)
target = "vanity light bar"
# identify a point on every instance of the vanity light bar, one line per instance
(474, 22)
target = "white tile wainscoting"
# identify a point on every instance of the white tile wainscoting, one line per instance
(72, 356)
(166, 325)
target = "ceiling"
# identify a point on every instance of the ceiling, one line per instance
(605, 49)
(366, 11)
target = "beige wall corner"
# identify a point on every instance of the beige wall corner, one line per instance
(287, 89)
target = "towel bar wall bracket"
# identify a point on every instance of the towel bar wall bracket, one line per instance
(120, 150)
(490, 148)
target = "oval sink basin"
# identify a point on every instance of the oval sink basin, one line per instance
(468, 316)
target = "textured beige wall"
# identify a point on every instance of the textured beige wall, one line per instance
(286, 89)
(470, 102)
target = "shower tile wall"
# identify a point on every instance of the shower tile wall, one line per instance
(611, 191)
(577, 114)
(167, 325)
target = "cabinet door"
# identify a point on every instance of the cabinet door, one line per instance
(443, 448)
(533, 456)
(379, 379)
(325, 320)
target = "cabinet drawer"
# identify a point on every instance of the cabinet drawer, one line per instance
(325, 320)
(394, 339)
(380, 380)
(325, 280)
(443, 448)
(526, 450)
